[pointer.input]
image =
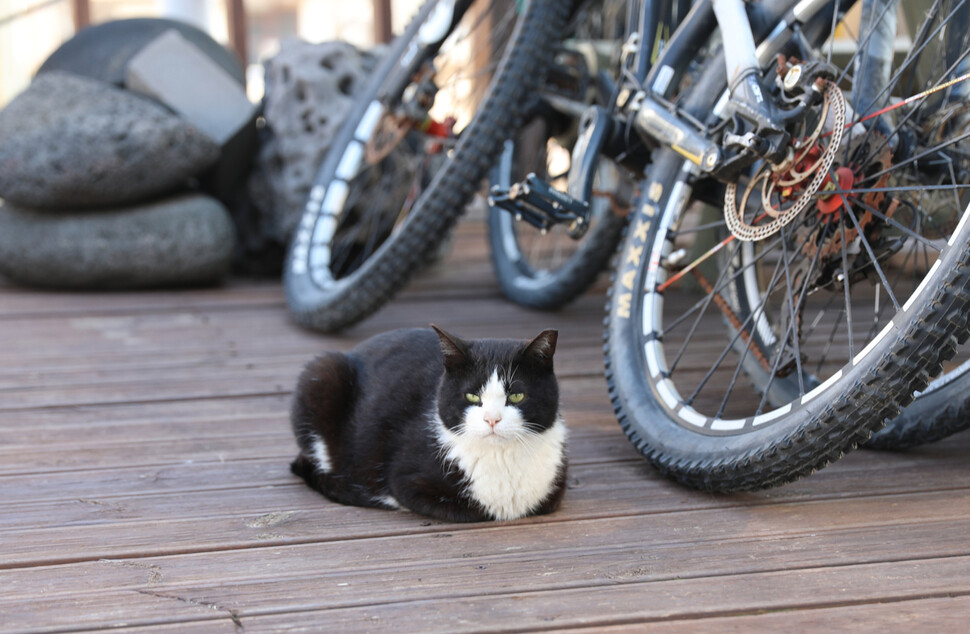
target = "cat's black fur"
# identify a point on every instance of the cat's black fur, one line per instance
(374, 409)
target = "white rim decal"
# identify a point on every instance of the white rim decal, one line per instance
(350, 161)
(369, 121)
(761, 419)
(668, 393)
(872, 344)
(727, 425)
(690, 415)
(336, 197)
(651, 350)
(821, 388)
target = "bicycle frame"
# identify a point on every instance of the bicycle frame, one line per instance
(657, 120)
(657, 69)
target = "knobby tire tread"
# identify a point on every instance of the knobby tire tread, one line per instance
(444, 201)
(568, 282)
(932, 332)
(888, 385)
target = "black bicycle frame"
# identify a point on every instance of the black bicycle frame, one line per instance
(773, 24)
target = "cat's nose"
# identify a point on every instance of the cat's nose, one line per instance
(493, 420)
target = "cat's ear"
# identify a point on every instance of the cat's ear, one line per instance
(541, 349)
(454, 349)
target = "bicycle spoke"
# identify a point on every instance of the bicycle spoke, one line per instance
(730, 280)
(706, 301)
(912, 56)
(878, 214)
(872, 255)
(776, 276)
(845, 289)
(796, 308)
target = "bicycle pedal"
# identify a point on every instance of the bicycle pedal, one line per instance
(542, 206)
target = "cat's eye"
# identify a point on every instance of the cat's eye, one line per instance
(516, 398)
(473, 398)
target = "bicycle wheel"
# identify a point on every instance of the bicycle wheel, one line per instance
(939, 411)
(837, 307)
(548, 269)
(412, 152)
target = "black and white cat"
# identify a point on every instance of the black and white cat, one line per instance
(462, 431)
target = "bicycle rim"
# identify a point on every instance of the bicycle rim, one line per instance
(397, 176)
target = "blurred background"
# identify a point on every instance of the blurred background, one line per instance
(30, 30)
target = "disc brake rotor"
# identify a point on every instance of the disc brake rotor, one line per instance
(788, 191)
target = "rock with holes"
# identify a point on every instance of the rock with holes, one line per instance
(76, 142)
(183, 240)
(309, 89)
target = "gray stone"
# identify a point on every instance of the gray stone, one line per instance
(173, 71)
(309, 90)
(102, 51)
(183, 240)
(70, 141)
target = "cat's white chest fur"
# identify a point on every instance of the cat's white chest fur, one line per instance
(508, 469)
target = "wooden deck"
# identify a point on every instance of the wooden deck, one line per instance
(144, 485)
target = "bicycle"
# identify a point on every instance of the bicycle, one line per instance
(409, 157)
(829, 357)
(549, 281)
(831, 179)
(546, 265)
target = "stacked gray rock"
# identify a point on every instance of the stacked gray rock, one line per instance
(309, 90)
(94, 182)
(74, 142)
(181, 240)
(93, 177)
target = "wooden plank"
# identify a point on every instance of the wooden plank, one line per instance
(630, 549)
(946, 614)
(191, 466)
(234, 374)
(686, 599)
(19, 302)
(178, 442)
(479, 316)
(470, 272)
(169, 523)
(211, 462)
(583, 400)
(579, 356)
(607, 585)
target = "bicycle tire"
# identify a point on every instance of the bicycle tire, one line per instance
(530, 266)
(714, 444)
(939, 411)
(546, 270)
(326, 294)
